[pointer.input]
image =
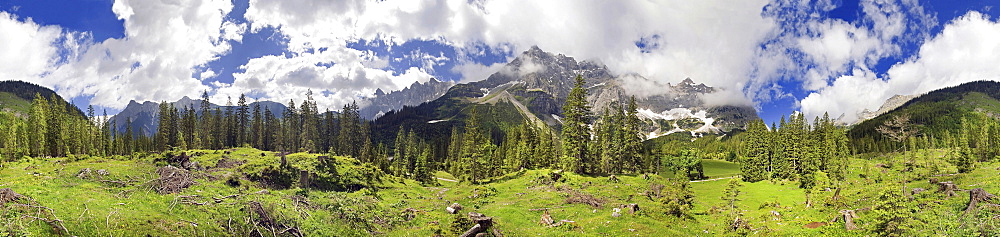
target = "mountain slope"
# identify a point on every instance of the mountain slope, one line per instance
(411, 96)
(935, 113)
(16, 97)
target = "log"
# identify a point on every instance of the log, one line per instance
(545, 209)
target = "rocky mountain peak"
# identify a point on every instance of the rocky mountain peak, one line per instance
(688, 86)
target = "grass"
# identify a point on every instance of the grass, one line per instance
(402, 207)
(13, 103)
(720, 168)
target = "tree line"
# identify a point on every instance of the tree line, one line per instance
(611, 144)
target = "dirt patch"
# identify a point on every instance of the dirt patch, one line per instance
(228, 163)
(580, 197)
(815, 225)
(172, 179)
(8, 195)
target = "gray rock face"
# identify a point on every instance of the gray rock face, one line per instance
(411, 96)
(144, 117)
(542, 81)
(889, 105)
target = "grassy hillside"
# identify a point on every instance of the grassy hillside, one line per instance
(10, 103)
(25, 91)
(240, 192)
(933, 114)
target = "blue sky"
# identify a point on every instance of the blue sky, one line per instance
(781, 56)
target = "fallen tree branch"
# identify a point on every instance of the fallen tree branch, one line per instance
(547, 208)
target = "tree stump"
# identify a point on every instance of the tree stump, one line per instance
(304, 179)
(483, 223)
(977, 195)
(453, 208)
(546, 219)
(948, 188)
(632, 208)
(849, 217)
(8, 195)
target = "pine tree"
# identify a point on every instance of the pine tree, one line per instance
(575, 132)
(257, 128)
(965, 161)
(272, 131)
(475, 152)
(242, 121)
(755, 154)
(399, 163)
(632, 140)
(349, 130)
(422, 172)
(37, 123)
(206, 126)
(310, 125)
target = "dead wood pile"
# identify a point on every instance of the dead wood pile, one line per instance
(172, 179)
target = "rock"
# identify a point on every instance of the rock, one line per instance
(616, 212)
(102, 172)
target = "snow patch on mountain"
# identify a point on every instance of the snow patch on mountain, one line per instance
(676, 114)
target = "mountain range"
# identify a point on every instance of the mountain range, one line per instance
(533, 88)
(144, 117)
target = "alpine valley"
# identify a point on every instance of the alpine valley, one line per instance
(547, 145)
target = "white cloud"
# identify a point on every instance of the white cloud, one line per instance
(28, 50)
(280, 78)
(712, 41)
(965, 50)
(165, 41)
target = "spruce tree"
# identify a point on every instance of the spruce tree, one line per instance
(257, 128)
(242, 121)
(37, 124)
(632, 140)
(755, 152)
(575, 130)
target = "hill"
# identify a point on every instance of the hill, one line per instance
(16, 97)
(934, 114)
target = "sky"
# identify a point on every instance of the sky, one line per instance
(781, 56)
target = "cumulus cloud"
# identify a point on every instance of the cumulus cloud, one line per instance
(965, 50)
(165, 41)
(29, 50)
(283, 77)
(692, 41)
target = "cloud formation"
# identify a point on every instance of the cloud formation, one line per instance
(756, 50)
(966, 50)
(685, 40)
